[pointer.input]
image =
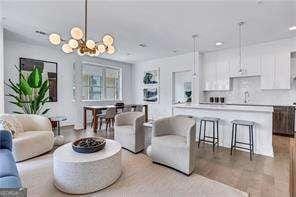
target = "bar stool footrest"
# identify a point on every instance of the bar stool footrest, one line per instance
(241, 147)
(210, 137)
(243, 143)
(209, 141)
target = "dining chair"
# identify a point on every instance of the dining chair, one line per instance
(108, 117)
(138, 108)
(127, 108)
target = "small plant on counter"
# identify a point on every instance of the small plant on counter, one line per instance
(30, 94)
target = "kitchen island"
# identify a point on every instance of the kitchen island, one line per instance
(261, 115)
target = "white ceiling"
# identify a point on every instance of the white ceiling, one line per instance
(163, 26)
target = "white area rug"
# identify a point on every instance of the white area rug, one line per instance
(140, 177)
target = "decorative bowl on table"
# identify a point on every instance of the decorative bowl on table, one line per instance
(89, 144)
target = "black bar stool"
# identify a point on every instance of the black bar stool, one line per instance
(234, 141)
(215, 137)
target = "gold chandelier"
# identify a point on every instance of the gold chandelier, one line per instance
(80, 43)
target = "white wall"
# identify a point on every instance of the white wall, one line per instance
(167, 67)
(73, 110)
(178, 85)
(1, 64)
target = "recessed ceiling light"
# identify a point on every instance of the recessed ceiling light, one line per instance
(142, 45)
(259, 1)
(219, 43)
(292, 28)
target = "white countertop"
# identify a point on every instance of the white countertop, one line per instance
(226, 107)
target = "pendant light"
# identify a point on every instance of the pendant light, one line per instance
(79, 42)
(195, 37)
(240, 28)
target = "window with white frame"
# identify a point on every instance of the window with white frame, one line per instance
(100, 83)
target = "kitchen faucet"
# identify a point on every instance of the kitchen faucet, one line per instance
(246, 94)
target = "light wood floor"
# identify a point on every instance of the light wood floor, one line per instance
(264, 176)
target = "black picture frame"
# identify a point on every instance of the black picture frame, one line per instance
(53, 81)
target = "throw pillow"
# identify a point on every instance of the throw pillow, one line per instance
(4, 125)
(14, 122)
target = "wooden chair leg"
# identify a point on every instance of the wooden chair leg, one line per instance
(107, 123)
(199, 138)
(101, 122)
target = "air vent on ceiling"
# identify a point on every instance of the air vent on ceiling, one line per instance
(142, 45)
(40, 32)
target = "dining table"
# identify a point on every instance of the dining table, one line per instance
(97, 109)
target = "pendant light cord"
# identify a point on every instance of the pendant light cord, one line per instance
(85, 21)
(240, 26)
(194, 53)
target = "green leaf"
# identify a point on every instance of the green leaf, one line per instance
(25, 88)
(17, 104)
(29, 93)
(13, 86)
(34, 106)
(17, 112)
(45, 111)
(35, 78)
(44, 88)
(20, 72)
(13, 96)
(45, 100)
(40, 77)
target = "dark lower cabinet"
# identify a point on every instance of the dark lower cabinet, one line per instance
(283, 120)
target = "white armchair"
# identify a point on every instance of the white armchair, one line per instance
(34, 135)
(129, 132)
(173, 143)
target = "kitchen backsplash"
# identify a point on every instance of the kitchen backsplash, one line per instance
(256, 95)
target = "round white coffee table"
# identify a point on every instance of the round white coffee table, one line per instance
(78, 173)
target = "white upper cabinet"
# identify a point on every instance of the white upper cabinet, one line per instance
(276, 71)
(223, 76)
(250, 66)
(267, 71)
(269, 61)
(209, 76)
(216, 76)
(234, 67)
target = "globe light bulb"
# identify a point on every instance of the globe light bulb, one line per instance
(101, 48)
(66, 48)
(90, 44)
(97, 53)
(76, 33)
(110, 50)
(73, 43)
(91, 54)
(55, 39)
(108, 40)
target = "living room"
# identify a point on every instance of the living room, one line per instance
(126, 98)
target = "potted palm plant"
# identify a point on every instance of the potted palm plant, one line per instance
(30, 94)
